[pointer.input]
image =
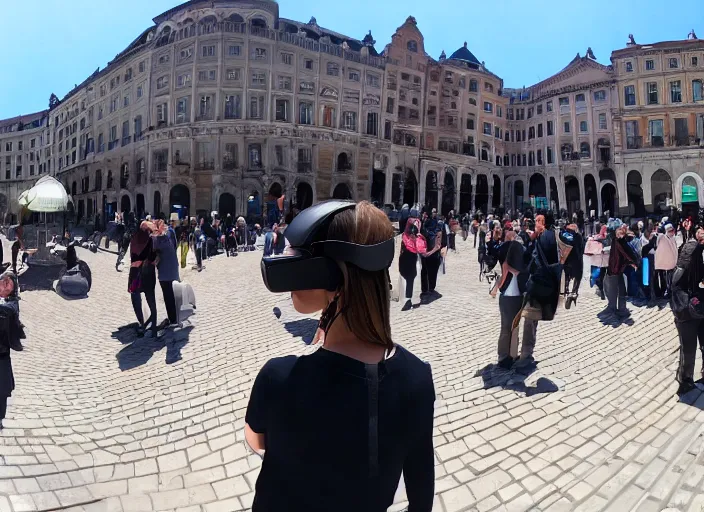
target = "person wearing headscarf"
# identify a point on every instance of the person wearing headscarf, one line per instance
(687, 303)
(666, 255)
(431, 260)
(142, 276)
(620, 256)
(11, 332)
(413, 244)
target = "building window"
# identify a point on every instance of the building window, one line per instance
(412, 46)
(258, 79)
(308, 64)
(305, 160)
(695, 61)
(234, 50)
(539, 109)
(183, 80)
(161, 83)
(207, 51)
(674, 64)
(602, 121)
(655, 129)
(676, 91)
(140, 90)
(582, 126)
(256, 107)
(205, 110)
(470, 123)
(539, 155)
(566, 127)
(137, 128)
(629, 67)
(488, 107)
(287, 58)
(584, 151)
(142, 66)
(600, 95)
(564, 101)
(186, 53)
(349, 121)
(229, 159)
(285, 83)
(473, 85)
(373, 80)
(652, 90)
(329, 116)
(548, 106)
(162, 113)
(126, 101)
(579, 98)
(255, 156)
(333, 69)
(282, 110)
(353, 75)
(305, 113)
(649, 65)
(206, 76)
(487, 128)
(373, 123)
(697, 90)
(540, 130)
(630, 95)
(389, 105)
(183, 112)
(548, 153)
(259, 54)
(233, 106)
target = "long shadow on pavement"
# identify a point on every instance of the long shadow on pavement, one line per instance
(304, 328)
(495, 376)
(140, 350)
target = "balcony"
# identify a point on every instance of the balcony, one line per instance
(138, 137)
(206, 165)
(304, 167)
(126, 140)
(113, 144)
(468, 149)
(229, 165)
(634, 142)
(683, 140)
(657, 141)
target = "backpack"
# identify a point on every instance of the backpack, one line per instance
(543, 285)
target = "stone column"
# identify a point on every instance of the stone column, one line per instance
(583, 195)
(458, 181)
(473, 206)
(388, 181)
(421, 186)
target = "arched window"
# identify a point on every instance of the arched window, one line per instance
(164, 37)
(258, 22)
(412, 46)
(344, 162)
(584, 151)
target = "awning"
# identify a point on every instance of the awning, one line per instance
(689, 194)
(47, 195)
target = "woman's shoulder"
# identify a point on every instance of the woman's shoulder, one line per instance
(410, 365)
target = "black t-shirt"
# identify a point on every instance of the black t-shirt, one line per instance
(314, 412)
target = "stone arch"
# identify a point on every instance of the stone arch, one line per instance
(496, 191)
(448, 191)
(465, 193)
(482, 194)
(344, 161)
(697, 181)
(157, 204)
(554, 195)
(125, 205)
(410, 188)
(431, 189)
(179, 195)
(342, 191)
(537, 186)
(227, 204)
(140, 206)
(572, 195)
(591, 194)
(608, 198)
(634, 193)
(661, 190)
(519, 193)
(304, 195)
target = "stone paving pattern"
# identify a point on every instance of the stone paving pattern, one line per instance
(102, 421)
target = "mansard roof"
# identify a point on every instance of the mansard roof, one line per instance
(465, 55)
(314, 31)
(205, 3)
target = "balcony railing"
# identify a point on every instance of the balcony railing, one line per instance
(683, 140)
(208, 165)
(113, 144)
(304, 167)
(138, 136)
(229, 165)
(126, 140)
(634, 142)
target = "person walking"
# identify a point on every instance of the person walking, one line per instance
(431, 260)
(373, 397)
(687, 304)
(164, 241)
(510, 255)
(17, 246)
(666, 255)
(413, 245)
(574, 265)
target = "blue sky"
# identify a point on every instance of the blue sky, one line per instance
(50, 45)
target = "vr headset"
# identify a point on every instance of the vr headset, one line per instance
(311, 261)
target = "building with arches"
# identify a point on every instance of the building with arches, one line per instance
(227, 106)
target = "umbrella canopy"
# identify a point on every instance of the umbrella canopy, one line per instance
(47, 195)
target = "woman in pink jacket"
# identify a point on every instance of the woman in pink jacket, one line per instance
(665, 260)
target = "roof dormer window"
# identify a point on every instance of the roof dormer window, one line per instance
(412, 46)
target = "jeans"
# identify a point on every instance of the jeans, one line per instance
(509, 307)
(167, 290)
(137, 306)
(199, 256)
(429, 272)
(615, 290)
(530, 332)
(689, 331)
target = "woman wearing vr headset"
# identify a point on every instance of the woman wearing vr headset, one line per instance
(337, 427)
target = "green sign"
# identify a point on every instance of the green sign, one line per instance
(689, 194)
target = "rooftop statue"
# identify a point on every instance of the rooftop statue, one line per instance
(590, 53)
(631, 41)
(692, 35)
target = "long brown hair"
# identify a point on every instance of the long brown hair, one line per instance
(364, 296)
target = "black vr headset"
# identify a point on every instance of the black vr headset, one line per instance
(310, 263)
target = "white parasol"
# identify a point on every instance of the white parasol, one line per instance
(47, 195)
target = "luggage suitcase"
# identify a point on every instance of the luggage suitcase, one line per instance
(185, 301)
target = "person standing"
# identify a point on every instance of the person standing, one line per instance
(512, 287)
(164, 241)
(574, 265)
(11, 332)
(430, 262)
(17, 246)
(142, 277)
(665, 260)
(687, 301)
(413, 244)
(620, 257)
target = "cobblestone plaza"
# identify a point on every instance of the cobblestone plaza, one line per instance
(104, 421)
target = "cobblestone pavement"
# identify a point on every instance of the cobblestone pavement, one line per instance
(102, 421)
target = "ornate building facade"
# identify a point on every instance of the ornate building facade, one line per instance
(226, 106)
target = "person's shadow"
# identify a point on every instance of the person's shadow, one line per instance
(514, 379)
(304, 328)
(139, 350)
